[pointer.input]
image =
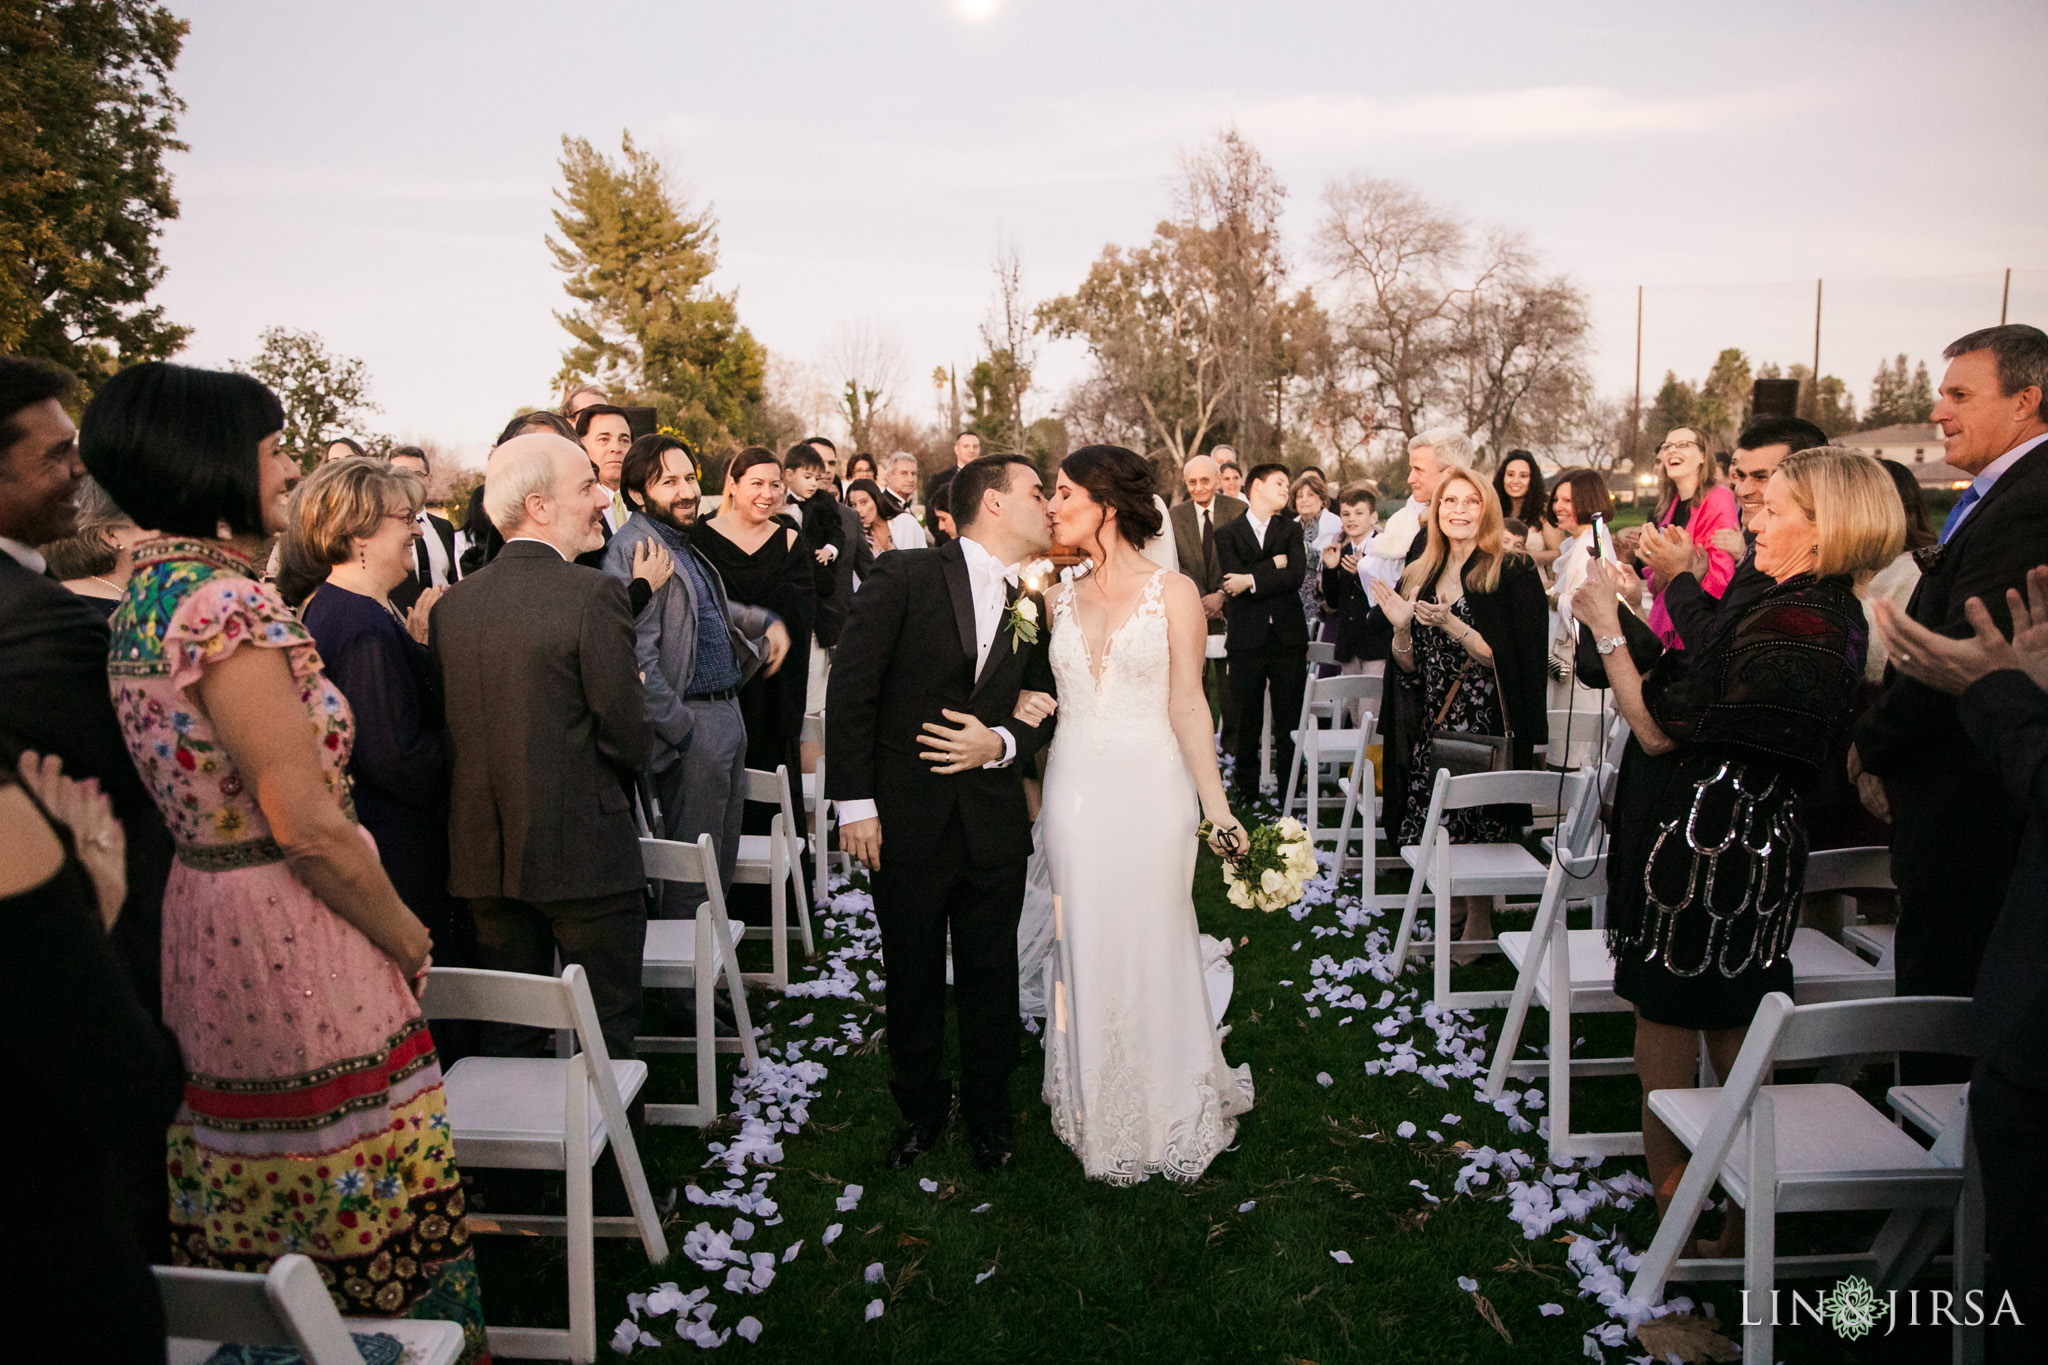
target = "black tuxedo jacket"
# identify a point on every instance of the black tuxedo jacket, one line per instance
(547, 723)
(1951, 816)
(416, 582)
(1362, 629)
(906, 654)
(1270, 614)
(54, 700)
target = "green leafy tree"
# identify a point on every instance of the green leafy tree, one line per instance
(638, 256)
(1895, 399)
(86, 116)
(1677, 405)
(1724, 395)
(324, 395)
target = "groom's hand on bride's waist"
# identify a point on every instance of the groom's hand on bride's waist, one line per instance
(972, 745)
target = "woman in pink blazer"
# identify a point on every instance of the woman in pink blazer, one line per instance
(1694, 498)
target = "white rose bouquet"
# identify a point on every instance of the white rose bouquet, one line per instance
(1273, 869)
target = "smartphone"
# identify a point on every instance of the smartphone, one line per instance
(1603, 539)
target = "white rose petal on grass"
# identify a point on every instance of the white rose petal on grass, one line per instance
(1247, 1206)
(794, 1248)
(874, 1310)
(928, 1186)
(1341, 1257)
(984, 1274)
(1550, 1310)
(1324, 1078)
(874, 1273)
(847, 1201)
(1452, 1118)
(741, 1229)
(981, 1208)
(1406, 1130)
(750, 1328)
(831, 1234)
(1468, 1284)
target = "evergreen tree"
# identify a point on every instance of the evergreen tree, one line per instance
(649, 327)
(1724, 396)
(86, 115)
(1896, 400)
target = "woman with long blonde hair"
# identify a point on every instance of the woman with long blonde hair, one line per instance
(1471, 628)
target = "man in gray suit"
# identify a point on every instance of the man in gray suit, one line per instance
(546, 720)
(695, 649)
(1195, 524)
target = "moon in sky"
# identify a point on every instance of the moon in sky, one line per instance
(977, 11)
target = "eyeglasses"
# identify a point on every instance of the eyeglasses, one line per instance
(1670, 446)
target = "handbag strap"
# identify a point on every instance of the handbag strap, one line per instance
(1450, 696)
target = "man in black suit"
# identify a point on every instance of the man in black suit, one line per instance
(1363, 635)
(2003, 707)
(1195, 523)
(923, 750)
(966, 450)
(606, 434)
(1266, 635)
(53, 651)
(547, 722)
(433, 547)
(1955, 829)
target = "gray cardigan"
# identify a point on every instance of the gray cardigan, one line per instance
(665, 638)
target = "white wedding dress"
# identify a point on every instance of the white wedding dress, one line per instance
(1134, 1069)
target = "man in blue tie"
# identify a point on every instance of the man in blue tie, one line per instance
(1955, 829)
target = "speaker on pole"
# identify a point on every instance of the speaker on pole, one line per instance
(1774, 398)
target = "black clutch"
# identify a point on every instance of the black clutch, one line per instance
(1644, 648)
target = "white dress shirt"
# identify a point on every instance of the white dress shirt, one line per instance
(437, 553)
(28, 556)
(1389, 557)
(514, 540)
(988, 583)
(1258, 525)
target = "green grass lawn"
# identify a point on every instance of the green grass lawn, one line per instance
(1160, 1272)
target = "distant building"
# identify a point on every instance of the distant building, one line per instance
(1917, 445)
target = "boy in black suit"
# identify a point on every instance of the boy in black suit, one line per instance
(1266, 635)
(1361, 636)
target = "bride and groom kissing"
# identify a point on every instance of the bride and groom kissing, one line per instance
(950, 675)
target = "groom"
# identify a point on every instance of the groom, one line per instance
(922, 750)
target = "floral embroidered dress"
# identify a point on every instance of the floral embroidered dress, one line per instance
(313, 1119)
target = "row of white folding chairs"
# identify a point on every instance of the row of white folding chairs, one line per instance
(290, 1307)
(774, 860)
(1580, 980)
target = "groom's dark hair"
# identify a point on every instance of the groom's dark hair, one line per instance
(977, 477)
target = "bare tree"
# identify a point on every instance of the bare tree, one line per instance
(1009, 340)
(867, 360)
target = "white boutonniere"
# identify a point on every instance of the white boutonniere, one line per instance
(1022, 621)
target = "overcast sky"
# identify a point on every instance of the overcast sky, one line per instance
(382, 173)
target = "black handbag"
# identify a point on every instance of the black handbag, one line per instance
(1644, 648)
(1464, 753)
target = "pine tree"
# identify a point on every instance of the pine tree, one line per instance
(649, 327)
(86, 116)
(1896, 400)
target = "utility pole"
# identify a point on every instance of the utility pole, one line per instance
(1816, 350)
(1635, 410)
(953, 376)
(2005, 298)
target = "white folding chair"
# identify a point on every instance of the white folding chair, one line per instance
(1449, 869)
(1856, 869)
(1821, 971)
(821, 814)
(1804, 1148)
(674, 948)
(1340, 745)
(536, 1114)
(775, 860)
(1933, 1109)
(287, 1306)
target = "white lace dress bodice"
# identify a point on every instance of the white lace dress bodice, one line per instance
(1134, 1071)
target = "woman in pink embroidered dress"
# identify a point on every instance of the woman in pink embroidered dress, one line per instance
(313, 1119)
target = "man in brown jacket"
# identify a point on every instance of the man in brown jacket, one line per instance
(548, 726)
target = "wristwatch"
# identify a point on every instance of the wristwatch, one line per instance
(1608, 644)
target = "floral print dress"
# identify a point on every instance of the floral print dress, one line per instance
(1475, 710)
(313, 1118)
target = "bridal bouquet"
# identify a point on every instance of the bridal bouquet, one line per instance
(1273, 870)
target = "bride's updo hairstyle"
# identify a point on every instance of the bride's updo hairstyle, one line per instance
(1121, 481)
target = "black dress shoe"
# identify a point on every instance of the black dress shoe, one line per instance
(913, 1140)
(994, 1152)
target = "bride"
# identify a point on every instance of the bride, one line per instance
(1134, 1070)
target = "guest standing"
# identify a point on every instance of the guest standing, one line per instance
(867, 500)
(1580, 496)
(289, 959)
(1468, 649)
(966, 450)
(1896, 581)
(1518, 484)
(1266, 637)
(1693, 499)
(1195, 523)
(899, 481)
(1360, 637)
(1404, 536)
(434, 564)
(766, 563)
(353, 521)
(1955, 829)
(1319, 527)
(53, 648)
(1708, 853)
(546, 720)
(91, 1076)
